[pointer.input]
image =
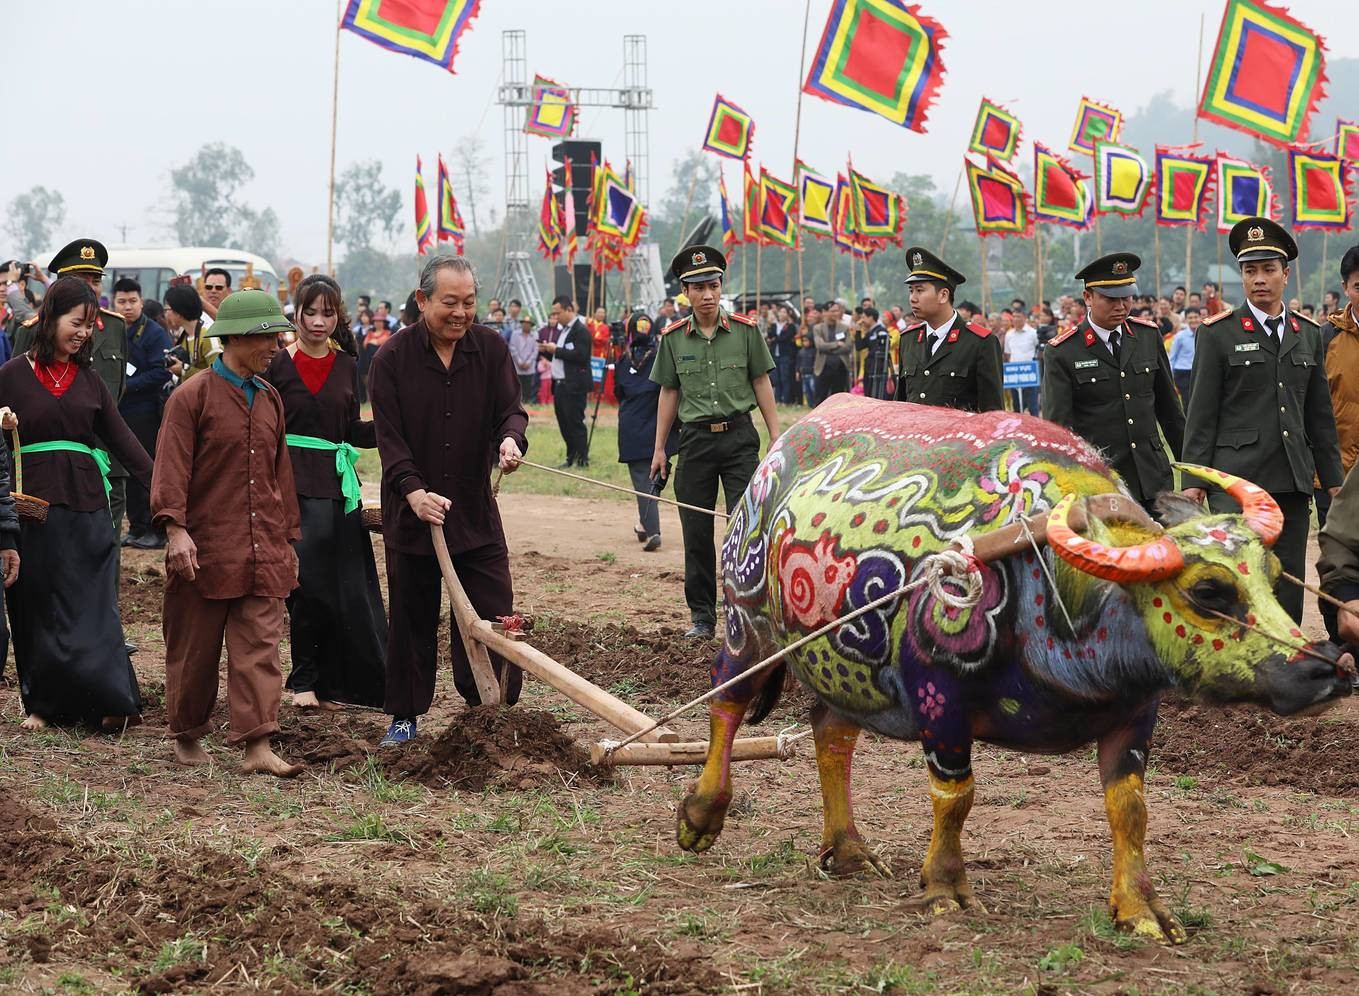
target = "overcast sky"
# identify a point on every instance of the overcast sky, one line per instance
(113, 93)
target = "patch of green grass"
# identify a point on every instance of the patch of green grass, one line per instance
(491, 893)
(1060, 958)
(1100, 926)
(71, 982)
(1186, 782)
(606, 557)
(371, 826)
(182, 950)
(784, 856)
(376, 783)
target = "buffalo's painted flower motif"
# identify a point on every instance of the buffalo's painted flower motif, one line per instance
(813, 581)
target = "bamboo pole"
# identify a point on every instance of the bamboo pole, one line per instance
(1038, 263)
(1099, 247)
(759, 271)
(1156, 232)
(334, 129)
(688, 202)
(692, 752)
(948, 221)
(985, 280)
(489, 688)
(1189, 229)
(1325, 268)
(834, 254)
(797, 138)
(586, 694)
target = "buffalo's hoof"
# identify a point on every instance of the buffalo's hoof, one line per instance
(945, 898)
(851, 856)
(699, 821)
(1153, 922)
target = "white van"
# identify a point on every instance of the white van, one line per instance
(155, 268)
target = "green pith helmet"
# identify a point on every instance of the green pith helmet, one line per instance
(249, 312)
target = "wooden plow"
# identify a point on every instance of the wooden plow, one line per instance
(655, 745)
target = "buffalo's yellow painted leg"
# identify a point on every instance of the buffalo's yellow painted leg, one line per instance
(843, 851)
(944, 875)
(701, 815)
(1133, 903)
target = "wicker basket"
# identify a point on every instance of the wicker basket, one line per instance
(371, 516)
(27, 507)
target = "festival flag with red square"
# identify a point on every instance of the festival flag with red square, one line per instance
(1060, 195)
(999, 203)
(424, 231)
(1183, 186)
(1320, 190)
(1267, 75)
(778, 211)
(425, 29)
(878, 212)
(996, 132)
(730, 130)
(880, 56)
(1347, 140)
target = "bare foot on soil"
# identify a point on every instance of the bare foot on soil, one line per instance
(117, 724)
(190, 752)
(309, 701)
(260, 758)
(33, 722)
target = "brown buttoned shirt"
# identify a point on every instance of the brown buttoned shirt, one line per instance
(223, 473)
(439, 429)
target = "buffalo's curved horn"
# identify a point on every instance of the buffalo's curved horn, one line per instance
(1154, 560)
(1261, 512)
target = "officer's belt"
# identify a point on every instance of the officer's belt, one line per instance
(720, 424)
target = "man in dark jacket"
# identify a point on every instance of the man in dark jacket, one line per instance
(571, 378)
(1108, 380)
(147, 346)
(781, 335)
(638, 398)
(1260, 406)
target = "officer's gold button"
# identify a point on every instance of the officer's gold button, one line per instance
(1122, 374)
(1285, 433)
(927, 373)
(1133, 445)
(1127, 397)
(1282, 408)
(1130, 421)
(922, 395)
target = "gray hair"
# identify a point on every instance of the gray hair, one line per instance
(446, 261)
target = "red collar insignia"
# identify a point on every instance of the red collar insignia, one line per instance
(953, 336)
(1248, 324)
(99, 322)
(920, 336)
(1294, 320)
(1089, 337)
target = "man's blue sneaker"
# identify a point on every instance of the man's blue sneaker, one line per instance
(401, 731)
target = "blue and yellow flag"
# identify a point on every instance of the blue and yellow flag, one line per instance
(1243, 191)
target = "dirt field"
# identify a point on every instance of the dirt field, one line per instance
(490, 857)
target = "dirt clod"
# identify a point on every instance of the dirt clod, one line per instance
(491, 747)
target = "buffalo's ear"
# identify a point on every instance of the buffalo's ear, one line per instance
(1172, 508)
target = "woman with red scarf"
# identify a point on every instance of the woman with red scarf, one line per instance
(68, 638)
(338, 625)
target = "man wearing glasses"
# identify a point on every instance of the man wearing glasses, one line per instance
(216, 286)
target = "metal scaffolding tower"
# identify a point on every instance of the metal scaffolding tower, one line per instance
(634, 98)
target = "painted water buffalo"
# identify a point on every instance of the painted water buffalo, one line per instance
(845, 508)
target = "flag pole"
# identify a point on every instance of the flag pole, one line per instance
(1189, 229)
(948, 222)
(1038, 261)
(759, 270)
(688, 202)
(1156, 233)
(985, 280)
(833, 254)
(797, 136)
(1099, 251)
(1325, 267)
(334, 123)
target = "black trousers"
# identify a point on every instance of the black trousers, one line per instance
(414, 587)
(706, 459)
(1290, 547)
(146, 427)
(568, 402)
(528, 388)
(833, 379)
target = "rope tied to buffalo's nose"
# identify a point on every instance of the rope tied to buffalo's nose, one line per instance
(960, 566)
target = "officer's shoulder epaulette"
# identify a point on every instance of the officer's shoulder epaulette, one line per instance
(29, 322)
(982, 331)
(1143, 320)
(111, 314)
(743, 319)
(914, 327)
(1062, 337)
(674, 325)
(1308, 319)
(1218, 317)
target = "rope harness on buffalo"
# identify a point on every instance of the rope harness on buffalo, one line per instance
(960, 567)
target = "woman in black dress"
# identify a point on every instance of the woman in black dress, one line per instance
(68, 638)
(338, 624)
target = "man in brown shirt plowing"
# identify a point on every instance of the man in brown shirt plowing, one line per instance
(223, 491)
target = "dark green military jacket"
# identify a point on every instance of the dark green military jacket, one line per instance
(1117, 406)
(714, 376)
(109, 359)
(1260, 409)
(964, 372)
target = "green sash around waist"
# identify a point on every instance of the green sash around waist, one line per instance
(101, 458)
(345, 458)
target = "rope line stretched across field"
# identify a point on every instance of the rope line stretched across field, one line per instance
(619, 487)
(957, 565)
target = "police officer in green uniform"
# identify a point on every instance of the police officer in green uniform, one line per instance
(86, 259)
(1260, 407)
(1108, 379)
(713, 367)
(945, 360)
